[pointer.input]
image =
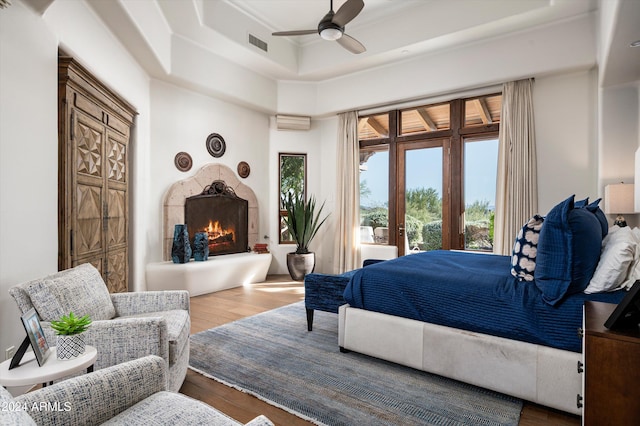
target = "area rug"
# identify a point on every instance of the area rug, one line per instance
(273, 357)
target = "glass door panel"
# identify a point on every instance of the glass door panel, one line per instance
(374, 195)
(480, 170)
(421, 197)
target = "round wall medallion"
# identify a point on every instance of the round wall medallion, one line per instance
(216, 145)
(183, 161)
(243, 169)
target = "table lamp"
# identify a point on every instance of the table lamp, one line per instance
(618, 200)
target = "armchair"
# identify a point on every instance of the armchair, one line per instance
(132, 393)
(125, 326)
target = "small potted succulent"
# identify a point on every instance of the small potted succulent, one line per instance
(70, 339)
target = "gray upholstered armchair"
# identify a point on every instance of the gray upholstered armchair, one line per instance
(125, 326)
(132, 393)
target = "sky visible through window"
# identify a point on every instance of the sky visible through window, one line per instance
(424, 170)
(480, 170)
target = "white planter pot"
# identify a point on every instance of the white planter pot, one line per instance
(70, 347)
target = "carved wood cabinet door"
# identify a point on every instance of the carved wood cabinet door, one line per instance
(94, 133)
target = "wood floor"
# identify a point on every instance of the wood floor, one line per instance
(214, 309)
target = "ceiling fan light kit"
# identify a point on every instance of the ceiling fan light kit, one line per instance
(331, 34)
(331, 27)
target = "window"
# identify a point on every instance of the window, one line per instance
(480, 169)
(374, 195)
(427, 175)
(292, 178)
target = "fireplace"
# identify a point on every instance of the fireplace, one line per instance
(220, 213)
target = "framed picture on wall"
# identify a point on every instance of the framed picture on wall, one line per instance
(36, 335)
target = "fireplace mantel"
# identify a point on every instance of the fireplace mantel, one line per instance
(174, 200)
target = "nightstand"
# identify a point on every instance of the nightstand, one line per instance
(612, 370)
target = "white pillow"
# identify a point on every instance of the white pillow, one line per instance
(619, 252)
(634, 270)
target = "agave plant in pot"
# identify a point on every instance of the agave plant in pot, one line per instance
(303, 223)
(70, 338)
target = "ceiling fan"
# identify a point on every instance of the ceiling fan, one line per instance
(331, 27)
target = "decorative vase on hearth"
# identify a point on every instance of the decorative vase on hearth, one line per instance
(181, 248)
(201, 246)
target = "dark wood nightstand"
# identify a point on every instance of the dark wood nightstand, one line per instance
(612, 370)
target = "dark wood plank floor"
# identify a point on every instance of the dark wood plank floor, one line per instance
(214, 309)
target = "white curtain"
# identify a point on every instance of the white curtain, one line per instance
(517, 180)
(347, 212)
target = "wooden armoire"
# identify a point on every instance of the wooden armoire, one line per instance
(94, 131)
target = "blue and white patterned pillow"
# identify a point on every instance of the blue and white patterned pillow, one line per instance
(525, 249)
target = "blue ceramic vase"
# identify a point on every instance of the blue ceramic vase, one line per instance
(181, 249)
(201, 246)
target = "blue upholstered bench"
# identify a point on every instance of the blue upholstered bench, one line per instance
(325, 292)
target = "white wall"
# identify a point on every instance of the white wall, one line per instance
(618, 133)
(524, 54)
(566, 134)
(181, 120)
(29, 139)
(28, 159)
(81, 33)
(298, 142)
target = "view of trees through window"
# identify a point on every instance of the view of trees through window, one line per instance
(401, 201)
(374, 196)
(480, 170)
(292, 179)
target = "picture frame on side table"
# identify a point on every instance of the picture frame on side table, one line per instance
(35, 336)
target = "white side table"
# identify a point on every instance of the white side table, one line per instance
(30, 373)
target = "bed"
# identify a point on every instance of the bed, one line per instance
(470, 317)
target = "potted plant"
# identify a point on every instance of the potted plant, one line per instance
(303, 223)
(70, 339)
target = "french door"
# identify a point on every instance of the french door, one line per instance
(423, 201)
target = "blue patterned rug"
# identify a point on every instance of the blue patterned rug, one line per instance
(273, 357)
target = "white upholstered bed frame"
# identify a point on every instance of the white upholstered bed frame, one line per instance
(532, 372)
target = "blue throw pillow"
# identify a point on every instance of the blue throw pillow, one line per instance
(523, 259)
(568, 251)
(581, 203)
(602, 219)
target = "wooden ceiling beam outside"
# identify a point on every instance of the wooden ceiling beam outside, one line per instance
(377, 128)
(483, 110)
(426, 120)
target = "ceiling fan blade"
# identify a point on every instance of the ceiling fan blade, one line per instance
(347, 12)
(294, 33)
(351, 44)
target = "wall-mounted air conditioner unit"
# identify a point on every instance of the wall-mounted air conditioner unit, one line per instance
(293, 122)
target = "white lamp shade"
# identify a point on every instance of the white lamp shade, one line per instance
(618, 198)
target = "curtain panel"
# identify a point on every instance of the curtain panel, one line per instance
(347, 212)
(517, 180)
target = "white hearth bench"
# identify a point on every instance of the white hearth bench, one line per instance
(216, 273)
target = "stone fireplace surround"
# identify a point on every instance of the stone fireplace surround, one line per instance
(173, 209)
(219, 272)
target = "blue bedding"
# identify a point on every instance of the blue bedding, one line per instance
(473, 292)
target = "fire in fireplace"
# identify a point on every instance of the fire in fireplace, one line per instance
(223, 215)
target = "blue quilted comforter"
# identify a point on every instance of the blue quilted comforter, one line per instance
(473, 292)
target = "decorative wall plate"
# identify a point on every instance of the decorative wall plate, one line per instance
(243, 169)
(183, 161)
(216, 145)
